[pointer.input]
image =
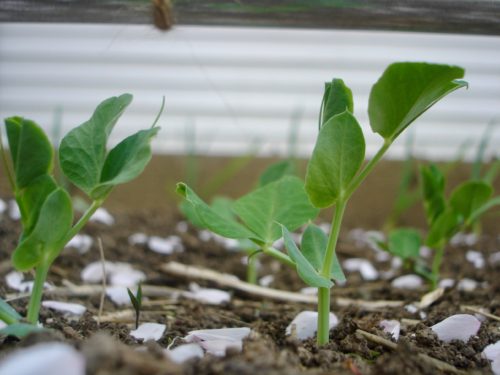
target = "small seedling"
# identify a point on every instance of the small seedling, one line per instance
(46, 208)
(223, 207)
(466, 204)
(136, 301)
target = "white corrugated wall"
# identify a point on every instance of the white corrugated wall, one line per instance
(236, 88)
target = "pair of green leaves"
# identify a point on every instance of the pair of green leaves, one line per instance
(257, 214)
(401, 95)
(309, 259)
(466, 204)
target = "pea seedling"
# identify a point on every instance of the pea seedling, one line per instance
(136, 301)
(335, 171)
(465, 206)
(46, 208)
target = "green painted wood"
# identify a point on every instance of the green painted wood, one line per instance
(457, 16)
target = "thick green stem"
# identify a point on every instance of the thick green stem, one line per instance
(323, 334)
(252, 269)
(436, 265)
(36, 293)
(323, 316)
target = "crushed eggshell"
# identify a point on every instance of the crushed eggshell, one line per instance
(266, 280)
(74, 309)
(363, 266)
(476, 258)
(207, 295)
(446, 283)
(149, 331)
(494, 258)
(3, 206)
(409, 282)
(81, 242)
(457, 327)
(392, 327)
(182, 227)
(118, 273)
(184, 353)
(119, 295)
(15, 280)
(48, 358)
(217, 341)
(165, 246)
(492, 351)
(467, 285)
(464, 239)
(305, 325)
(14, 212)
(309, 290)
(102, 216)
(138, 239)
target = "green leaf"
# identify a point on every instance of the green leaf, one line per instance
(405, 243)
(30, 149)
(433, 192)
(31, 199)
(7, 313)
(44, 243)
(82, 152)
(405, 91)
(443, 228)
(305, 269)
(469, 196)
(224, 207)
(189, 212)
(276, 171)
(211, 219)
(20, 330)
(337, 157)
(336, 100)
(125, 162)
(484, 208)
(313, 245)
(283, 201)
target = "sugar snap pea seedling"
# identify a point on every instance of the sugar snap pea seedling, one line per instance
(335, 170)
(46, 208)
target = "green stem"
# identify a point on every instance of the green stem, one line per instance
(436, 265)
(367, 169)
(252, 269)
(283, 258)
(323, 316)
(323, 335)
(83, 220)
(36, 293)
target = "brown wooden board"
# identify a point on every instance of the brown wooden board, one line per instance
(457, 16)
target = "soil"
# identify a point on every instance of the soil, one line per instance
(109, 348)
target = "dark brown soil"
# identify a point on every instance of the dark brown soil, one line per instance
(267, 350)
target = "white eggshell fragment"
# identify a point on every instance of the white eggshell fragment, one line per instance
(138, 239)
(457, 327)
(266, 280)
(149, 331)
(165, 246)
(74, 309)
(124, 275)
(102, 216)
(495, 366)
(492, 351)
(50, 358)
(93, 272)
(184, 353)
(15, 280)
(476, 258)
(182, 227)
(207, 295)
(446, 283)
(3, 206)
(464, 239)
(14, 212)
(305, 324)
(219, 347)
(81, 242)
(392, 327)
(494, 258)
(309, 290)
(409, 282)
(467, 285)
(365, 268)
(217, 341)
(119, 294)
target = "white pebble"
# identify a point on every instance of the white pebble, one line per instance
(476, 258)
(81, 242)
(14, 212)
(467, 285)
(49, 358)
(184, 353)
(102, 216)
(392, 327)
(409, 282)
(149, 331)
(363, 266)
(138, 239)
(67, 308)
(457, 327)
(305, 325)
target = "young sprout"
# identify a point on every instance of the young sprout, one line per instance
(336, 170)
(445, 217)
(136, 301)
(46, 207)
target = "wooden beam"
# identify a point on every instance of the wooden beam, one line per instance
(447, 16)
